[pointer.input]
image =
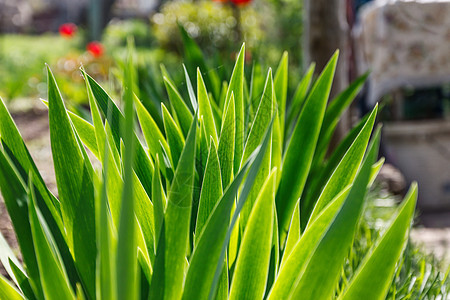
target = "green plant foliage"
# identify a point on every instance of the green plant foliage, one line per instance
(210, 205)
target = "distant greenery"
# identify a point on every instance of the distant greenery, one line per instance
(22, 66)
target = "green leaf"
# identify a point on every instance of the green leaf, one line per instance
(205, 109)
(226, 142)
(346, 170)
(334, 112)
(320, 173)
(211, 190)
(177, 222)
(6, 254)
(75, 187)
(105, 275)
(159, 201)
(8, 291)
(263, 117)
(300, 151)
(179, 107)
(86, 132)
(174, 136)
(142, 165)
(321, 272)
(209, 254)
(294, 234)
(23, 281)
(127, 231)
(373, 277)
(281, 85)
(299, 97)
(52, 272)
(252, 265)
(236, 87)
(12, 142)
(261, 153)
(293, 264)
(191, 92)
(15, 197)
(153, 136)
(256, 86)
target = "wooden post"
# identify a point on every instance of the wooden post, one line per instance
(326, 29)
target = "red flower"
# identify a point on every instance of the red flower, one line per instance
(240, 2)
(67, 30)
(95, 48)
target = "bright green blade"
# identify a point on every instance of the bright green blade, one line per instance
(226, 142)
(261, 153)
(174, 136)
(55, 283)
(6, 254)
(321, 272)
(293, 235)
(300, 151)
(252, 265)
(299, 98)
(179, 107)
(158, 200)
(8, 291)
(256, 86)
(293, 264)
(236, 87)
(209, 254)
(15, 147)
(127, 232)
(373, 278)
(153, 136)
(105, 272)
(75, 187)
(142, 164)
(263, 117)
(320, 173)
(190, 88)
(333, 113)
(211, 190)
(346, 170)
(169, 275)
(86, 132)
(281, 86)
(15, 196)
(23, 281)
(204, 108)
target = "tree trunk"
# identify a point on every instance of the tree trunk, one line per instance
(326, 29)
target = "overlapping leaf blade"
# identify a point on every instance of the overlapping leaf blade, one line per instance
(75, 187)
(300, 151)
(177, 224)
(252, 265)
(373, 277)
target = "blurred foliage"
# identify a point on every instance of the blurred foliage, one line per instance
(213, 25)
(22, 69)
(117, 32)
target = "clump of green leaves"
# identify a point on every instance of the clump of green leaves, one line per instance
(232, 198)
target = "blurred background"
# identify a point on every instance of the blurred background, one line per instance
(404, 44)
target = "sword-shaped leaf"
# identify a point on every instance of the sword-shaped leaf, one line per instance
(252, 265)
(300, 151)
(374, 276)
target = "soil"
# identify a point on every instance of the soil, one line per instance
(33, 125)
